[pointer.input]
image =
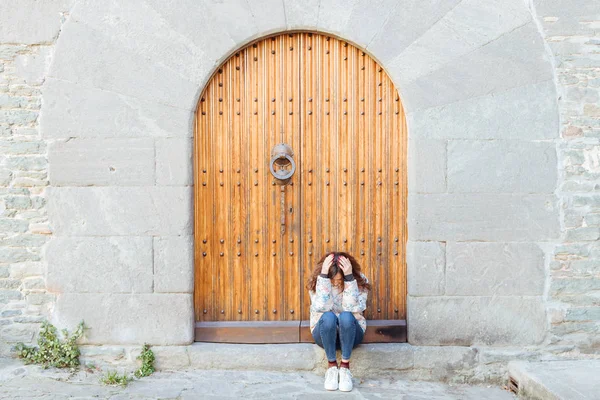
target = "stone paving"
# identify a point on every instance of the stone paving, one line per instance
(18, 381)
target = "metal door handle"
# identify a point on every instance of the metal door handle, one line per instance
(282, 155)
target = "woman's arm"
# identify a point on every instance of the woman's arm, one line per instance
(320, 299)
(354, 300)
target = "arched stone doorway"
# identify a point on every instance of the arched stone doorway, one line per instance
(476, 84)
(260, 235)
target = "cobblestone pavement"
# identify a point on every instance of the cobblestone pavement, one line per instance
(31, 382)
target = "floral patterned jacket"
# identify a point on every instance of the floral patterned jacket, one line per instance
(327, 297)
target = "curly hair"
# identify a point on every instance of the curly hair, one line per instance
(335, 269)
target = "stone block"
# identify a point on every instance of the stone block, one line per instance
(71, 110)
(140, 27)
(32, 68)
(106, 211)
(494, 269)
(407, 23)
(174, 264)
(426, 263)
(269, 15)
(18, 333)
(466, 321)
(468, 26)
(366, 19)
(99, 264)
(17, 254)
(501, 166)
(333, 15)
(99, 162)
(282, 357)
(102, 356)
(191, 19)
(42, 19)
(156, 319)
(378, 357)
(487, 217)
(560, 287)
(583, 234)
(427, 166)
(449, 358)
(171, 357)
(90, 58)
(301, 14)
(515, 59)
(174, 161)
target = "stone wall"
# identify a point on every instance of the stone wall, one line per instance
(27, 37)
(572, 33)
(483, 158)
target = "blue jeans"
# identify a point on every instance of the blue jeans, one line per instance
(327, 335)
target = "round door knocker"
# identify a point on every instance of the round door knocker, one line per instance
(282, 158)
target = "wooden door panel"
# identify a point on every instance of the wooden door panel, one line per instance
(256, 241)
(246, 265)
(354, 168)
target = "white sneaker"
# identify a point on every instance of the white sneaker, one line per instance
(331, 378)
(345, 380)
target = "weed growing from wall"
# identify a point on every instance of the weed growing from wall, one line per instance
(147, 357)
(51, 350)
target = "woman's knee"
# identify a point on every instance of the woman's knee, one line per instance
(347, 320)
(328, 320)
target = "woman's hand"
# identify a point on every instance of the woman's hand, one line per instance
(345, 265)
(327, 264)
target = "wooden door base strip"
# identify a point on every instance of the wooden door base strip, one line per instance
(378, 331)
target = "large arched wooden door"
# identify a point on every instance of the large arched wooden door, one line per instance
(256, 240)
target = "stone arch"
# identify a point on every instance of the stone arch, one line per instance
(476, 83)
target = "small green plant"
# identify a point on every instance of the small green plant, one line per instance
(147, 357)
(113, 378)
(51, 350)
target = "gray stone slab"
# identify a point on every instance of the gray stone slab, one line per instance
(367, 19)
(334, 14)
(134, 25)
(174, 264)
(406, 24)
(445, 357)
(71, 110)
(93, 59)
(426, 264)
(468, 26)
(235, 16)
(301, 14)
(190, 19)
(269, 15)
(174, 162)
(490, 269)
(467, 320)
(159, 319)
(516, 59)
(427, 166)
(100, 162)
(99, 264)
(526, 113)
(488, 217)
(283, 357)
(560, 380)
(110, 211)
(42, 19)
(501, 166)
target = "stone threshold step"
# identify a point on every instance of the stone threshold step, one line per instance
(556, 380)
(457, 364)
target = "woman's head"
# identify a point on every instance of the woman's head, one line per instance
(335, 270)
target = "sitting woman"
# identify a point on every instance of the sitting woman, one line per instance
(338, 296)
